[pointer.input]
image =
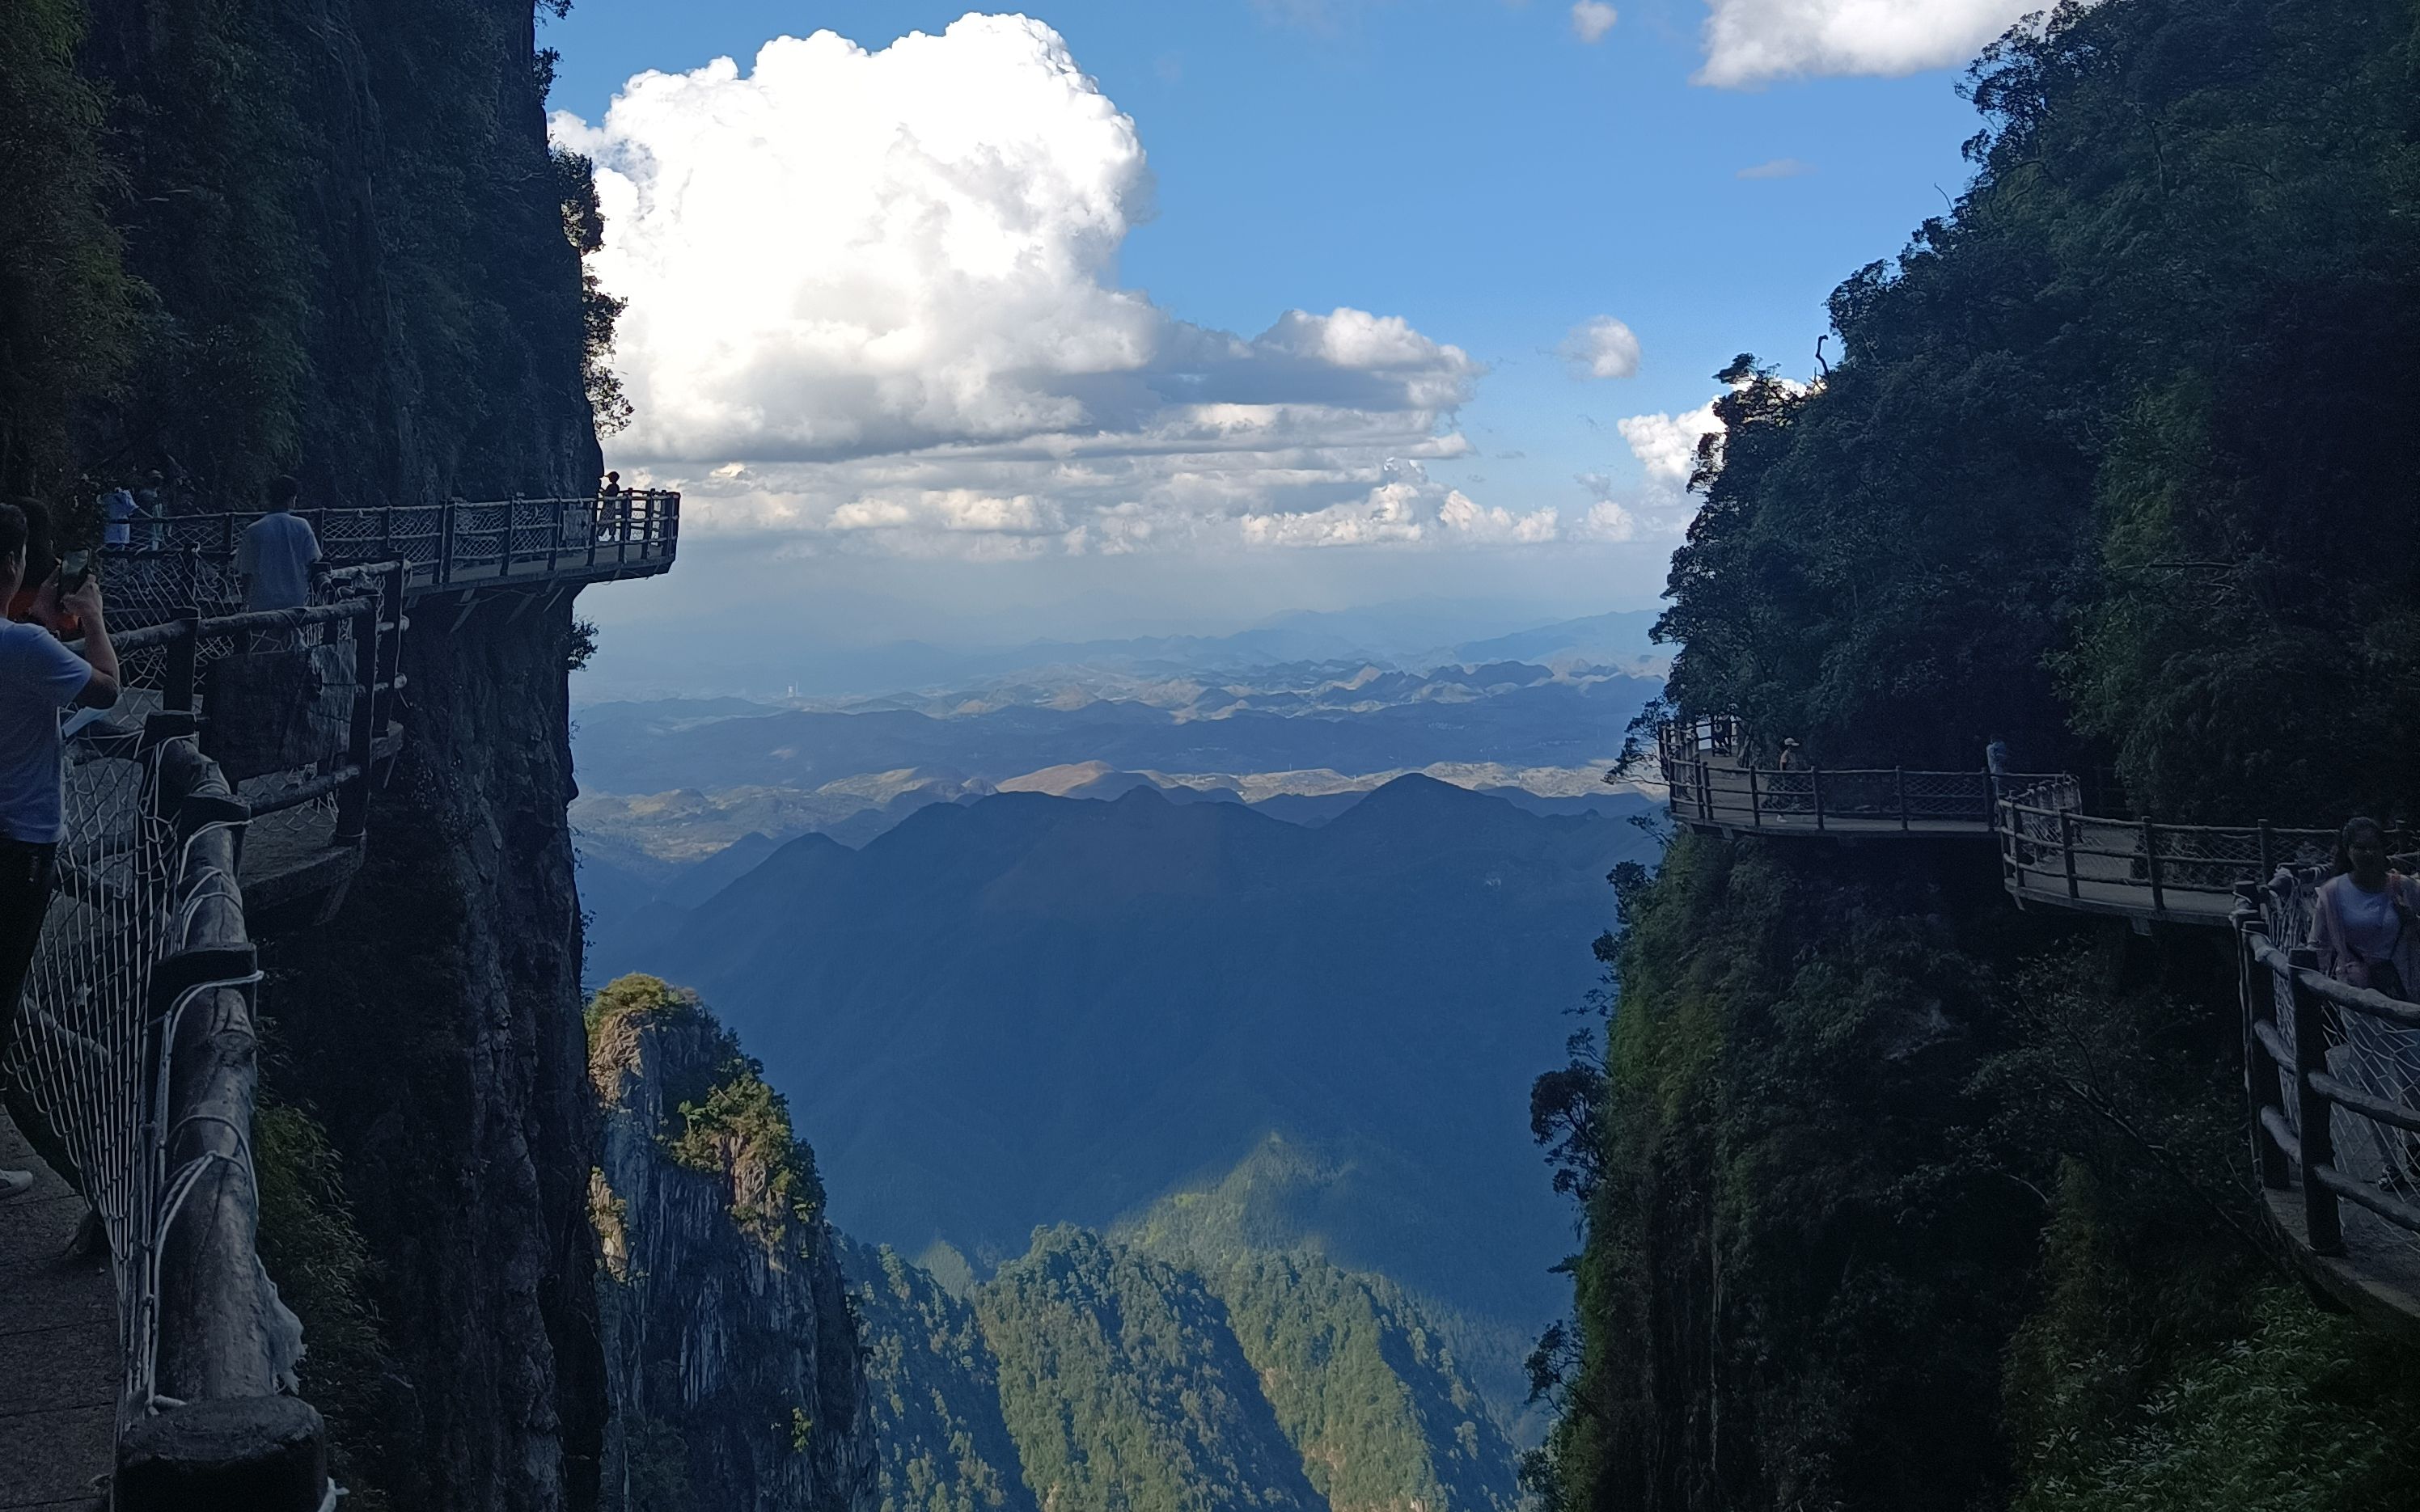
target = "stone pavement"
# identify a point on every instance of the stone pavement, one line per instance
(58, 1349)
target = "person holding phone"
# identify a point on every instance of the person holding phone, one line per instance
(39, 679)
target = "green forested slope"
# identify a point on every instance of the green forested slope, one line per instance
(936, 1389)
(1124, 1388)
(1898, 1198)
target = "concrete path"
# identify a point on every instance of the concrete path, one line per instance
(58, 1349)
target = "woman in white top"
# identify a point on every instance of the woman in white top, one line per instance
(2366, 921)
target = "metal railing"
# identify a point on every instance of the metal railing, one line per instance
(2053, 852)
(345, 656)
(2329, 1074)
(186, 560)
(139, 1045)
(1707, 771)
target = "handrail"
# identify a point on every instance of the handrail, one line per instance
(1708, 784)
(2051, 850)
(2294, 1096)
(187, 560)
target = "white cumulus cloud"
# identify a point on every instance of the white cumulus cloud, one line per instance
(1593, 19)
(1667, 445)
(874, 304)
(1750, 42)
(1603, 348)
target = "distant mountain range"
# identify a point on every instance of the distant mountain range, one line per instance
(1032, 1010)
(1413, 636)
(1346, 719)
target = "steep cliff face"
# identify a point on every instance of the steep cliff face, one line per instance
(434, 1028)
(350, 233)
(730, 1345)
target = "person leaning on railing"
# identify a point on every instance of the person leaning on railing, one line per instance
(40, 677)
(2365, 920)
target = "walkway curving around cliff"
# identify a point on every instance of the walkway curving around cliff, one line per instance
(2052, 853)
(2333, 1072)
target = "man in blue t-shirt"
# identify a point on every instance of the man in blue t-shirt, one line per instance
(278, 550)
(39, 679)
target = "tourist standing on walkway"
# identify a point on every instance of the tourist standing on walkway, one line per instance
(278, 550)
(40, 677)
(117, 512)
(2366, 921)
(1996, 761)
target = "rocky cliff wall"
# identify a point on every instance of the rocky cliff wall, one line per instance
(730, 1350)
(433, 1027)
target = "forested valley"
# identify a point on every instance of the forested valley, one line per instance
(1895, 1196)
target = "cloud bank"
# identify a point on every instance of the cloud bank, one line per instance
(1593, 19)
(1750, 42)
(874, 301)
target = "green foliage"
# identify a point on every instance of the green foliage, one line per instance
(319, 1261)
(2116, 464)
(2112, 464)
(935, 1390)
(1796, 1277)
(1124, 1390)
(66, 307)
(741, 1129)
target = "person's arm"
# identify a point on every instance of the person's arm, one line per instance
(102, 687)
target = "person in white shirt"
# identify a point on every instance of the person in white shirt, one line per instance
(2366, 920)
(40, 677)
(275, 557)
(117, 512)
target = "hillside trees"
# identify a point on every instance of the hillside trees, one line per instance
(2112, 460)
(2116, 464)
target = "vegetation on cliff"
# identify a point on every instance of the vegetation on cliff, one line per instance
(731, 1351)
(1896, 1197)
(246, 241)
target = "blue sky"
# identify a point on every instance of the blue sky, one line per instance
(1472, 167)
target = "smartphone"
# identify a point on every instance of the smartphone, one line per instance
(74, 568)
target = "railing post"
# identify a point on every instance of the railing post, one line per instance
(354, 798)
(445, 543)
(390, 668)
(1754, 801)
(555, 539)
(2322, 1218)
(2151, 865)
(1899, 790)
(2262, 1090)
(2067, 849)
(2268, 854)
(1815, 785)
(1705, 794)
(386, 532)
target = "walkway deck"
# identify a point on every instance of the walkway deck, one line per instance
(58, 1348)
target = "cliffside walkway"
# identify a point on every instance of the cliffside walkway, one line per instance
(2332, 1072)
(2052, 853)
(224, 799)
